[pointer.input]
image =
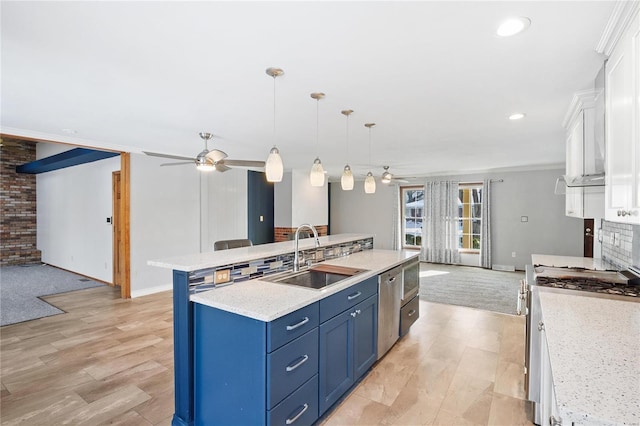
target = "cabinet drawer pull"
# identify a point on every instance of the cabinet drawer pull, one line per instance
(411, 312)
(392, 279)
(305, 407)
(301, 323)
(353, 314)
(540, 326)
(354, 295)
(297, 364)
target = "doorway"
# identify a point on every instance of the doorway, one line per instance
(588, 238)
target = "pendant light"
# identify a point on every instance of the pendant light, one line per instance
(316, 177)
(274, 167)
(369, 181)
(347, 176)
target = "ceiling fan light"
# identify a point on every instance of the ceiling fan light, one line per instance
(369, 184)
(274, 167)
(206, 167)
(347, 179)
(316, 177)
(386, 177)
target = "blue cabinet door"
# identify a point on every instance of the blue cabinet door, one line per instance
(365, 332)
(336, 359)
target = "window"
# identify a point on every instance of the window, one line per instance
(469, 217)
(412, 206)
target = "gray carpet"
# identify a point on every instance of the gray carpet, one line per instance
(480, 288)
(21, 287)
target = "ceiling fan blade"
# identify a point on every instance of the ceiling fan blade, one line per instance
(175, 157)
(220, 167)
(216, 155)
(177, 164)
(243, 163)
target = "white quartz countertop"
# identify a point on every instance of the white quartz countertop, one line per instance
(267, 301)
(194, 262)
(571, 262)
(594, 348)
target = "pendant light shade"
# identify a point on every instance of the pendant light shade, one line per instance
(369, 182)
(347, 176)
(316, 177)
(274, 167)
(347, 179)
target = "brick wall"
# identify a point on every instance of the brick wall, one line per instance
(282, 234)
(18, 224)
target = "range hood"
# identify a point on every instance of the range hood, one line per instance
(564, 182)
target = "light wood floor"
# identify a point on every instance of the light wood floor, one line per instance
(110, 361)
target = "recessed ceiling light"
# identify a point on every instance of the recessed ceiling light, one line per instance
(513, 26)
(517, 116)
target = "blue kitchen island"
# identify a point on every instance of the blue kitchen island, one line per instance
(251, 351)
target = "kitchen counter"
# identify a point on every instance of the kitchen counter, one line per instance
(266, 301)
(571, 262)
(594, 349)
(194, 262)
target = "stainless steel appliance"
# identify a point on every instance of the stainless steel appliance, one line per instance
(389, 298)
(410, 311)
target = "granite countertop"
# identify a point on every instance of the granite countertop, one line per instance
(594, 348)
(572, 262)
(197, 261)
(266, 301)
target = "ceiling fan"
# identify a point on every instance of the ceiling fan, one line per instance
(387, 177)
(209, 160)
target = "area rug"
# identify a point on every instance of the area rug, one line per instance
(479, 288)
(22, 286)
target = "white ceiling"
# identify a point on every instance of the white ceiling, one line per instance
(433, 76)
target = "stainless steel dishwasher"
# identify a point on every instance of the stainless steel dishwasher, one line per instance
(389, 297)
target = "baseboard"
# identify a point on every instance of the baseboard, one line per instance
(151, 290)
(510, 268)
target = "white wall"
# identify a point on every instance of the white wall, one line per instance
(297, 202)
(356, 211)
(169, 217)
(73, 205)
(527, 193)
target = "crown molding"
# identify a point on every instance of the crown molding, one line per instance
(622, 14)
(581, 100)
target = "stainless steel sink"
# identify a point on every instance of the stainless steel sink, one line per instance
(317, 277)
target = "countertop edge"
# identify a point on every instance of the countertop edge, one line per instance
(291, 297)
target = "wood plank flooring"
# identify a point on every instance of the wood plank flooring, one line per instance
(110, 361)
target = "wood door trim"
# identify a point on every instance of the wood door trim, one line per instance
(115, 224)
(125, 228)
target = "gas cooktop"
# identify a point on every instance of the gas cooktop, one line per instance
(606, 282)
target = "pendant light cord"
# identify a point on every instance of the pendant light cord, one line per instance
(347, 138)
(274, 110)
(318, 127)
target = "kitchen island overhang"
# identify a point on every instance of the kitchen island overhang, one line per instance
(256, 298)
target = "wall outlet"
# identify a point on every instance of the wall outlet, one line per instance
(616, 239)
(513, 254)
(222, 276)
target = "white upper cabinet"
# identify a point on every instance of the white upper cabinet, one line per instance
(622, 125)
(583, 157)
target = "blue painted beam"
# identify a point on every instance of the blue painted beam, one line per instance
(69, 158)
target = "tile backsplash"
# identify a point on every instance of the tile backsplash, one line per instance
(202, 280)
(621, 244)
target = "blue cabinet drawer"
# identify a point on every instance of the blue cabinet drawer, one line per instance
(293, 325)
(291, 366)
(298, 409)
(334, 304)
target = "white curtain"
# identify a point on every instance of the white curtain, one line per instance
(485, 226)
(440, 227)
(395, 245)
